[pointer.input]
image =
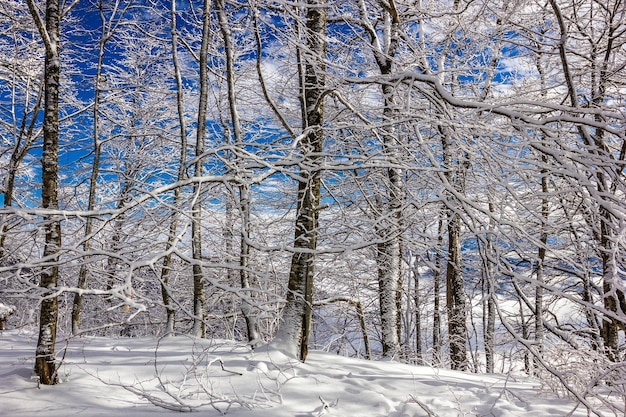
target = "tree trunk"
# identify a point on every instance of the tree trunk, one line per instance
(455, 291)
(455, 296)
(247, 309)
(293, 334)
(436, 359)
(488, 293)
(600, 82)
(18, 153)
(199, 328)
(417, 301)
(45, 365)
(389, 250)
(170, 312)
(541, 257)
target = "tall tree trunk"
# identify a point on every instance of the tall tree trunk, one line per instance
(45, 365)
(389, 250)
(455, 296)
(436, 359)
(170, 312)
(455, 291)
(199, 327)
(293, 334)
(247, 308)
(417, 301)
(541, 257)
(489, 296)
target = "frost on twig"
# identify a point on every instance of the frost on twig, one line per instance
(424, 407)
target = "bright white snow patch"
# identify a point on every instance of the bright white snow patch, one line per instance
(110, 377)
(6, 311)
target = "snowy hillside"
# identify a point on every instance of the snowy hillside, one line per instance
(148, 377)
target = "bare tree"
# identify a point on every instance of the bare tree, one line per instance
(199, 327)
(294, 330)
(170, 312)
(243, 188)
(604, 41)
(24, 94)
(389, 230)
(45, 364)
(109, 25)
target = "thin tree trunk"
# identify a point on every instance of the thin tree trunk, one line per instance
(107, 32)
(598, 148)
(490, 325)
(170, 312)
(199, 327)
(489, 297)
(45, 365)
(436, 359)
(455, 297)
(247, 309)
(17, 155)
(417, 301)
(455, 291)
(389, 250)
(294, 331)
(541, 257)
(522, 300)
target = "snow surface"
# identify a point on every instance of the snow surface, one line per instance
(127, 376)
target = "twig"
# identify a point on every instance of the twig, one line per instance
(227, 370)
(424, 407)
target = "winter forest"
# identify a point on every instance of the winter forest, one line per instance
(439, 183)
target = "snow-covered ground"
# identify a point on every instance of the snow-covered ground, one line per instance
(128, 376)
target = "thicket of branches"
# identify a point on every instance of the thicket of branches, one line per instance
(441, 182)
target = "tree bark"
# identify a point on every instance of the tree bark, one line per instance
(247, 309)
(199, 327)
(489, 297)
(45, 365)
(293, 334)
(389, 250)
(18, 153)
(541, 257)
(455, 291)
(170, 312)
(436, 359)
(600, 62)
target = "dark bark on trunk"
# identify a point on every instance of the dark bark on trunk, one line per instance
(199, 327)
(541, 257)
(489, 297)
(455, 291)
(295, 330)
(417, 301)
(389, 250)
(45, 365)
(457, 326)
(247, 309)
(23, 143)
(436, 360)
(170, 312)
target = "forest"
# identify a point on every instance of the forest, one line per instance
(435, 182)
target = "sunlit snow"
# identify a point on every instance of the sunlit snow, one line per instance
(150, 377)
